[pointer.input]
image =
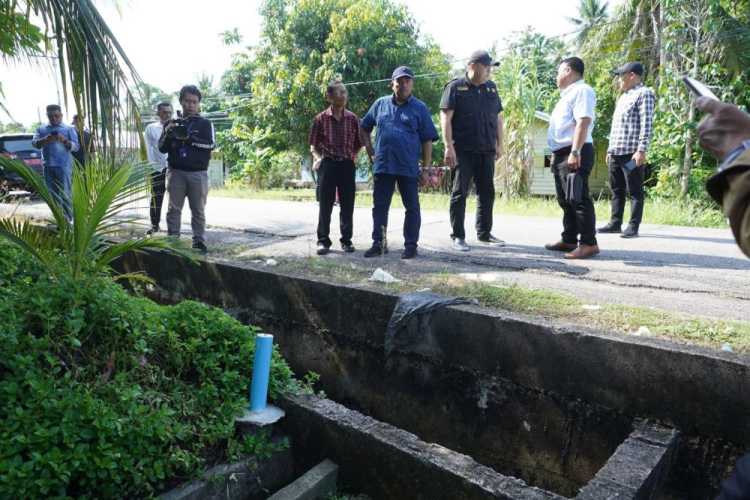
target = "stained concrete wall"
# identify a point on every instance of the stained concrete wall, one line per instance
(339, 331)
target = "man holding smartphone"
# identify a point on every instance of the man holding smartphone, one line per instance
(629, 139)
(57, 142)
(725, 132)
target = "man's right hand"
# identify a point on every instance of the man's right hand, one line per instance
(450, 156)
(316, 164)
(724, 128)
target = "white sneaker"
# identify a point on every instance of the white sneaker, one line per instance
(460, 245)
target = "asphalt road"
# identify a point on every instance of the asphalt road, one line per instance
(692, 270)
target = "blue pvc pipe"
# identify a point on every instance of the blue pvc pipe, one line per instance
(261, 371)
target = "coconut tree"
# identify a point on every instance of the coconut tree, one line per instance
(96, 73)
(591, 14)
(102, 200)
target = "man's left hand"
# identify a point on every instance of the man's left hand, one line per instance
(498, 154)
(640, 158)
(574, 162)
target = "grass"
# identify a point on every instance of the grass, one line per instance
(664, 211)
(613, 318)
(622, 319)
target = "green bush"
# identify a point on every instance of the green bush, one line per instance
(108, 395)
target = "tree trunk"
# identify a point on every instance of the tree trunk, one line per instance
(687, 165)
(659, 54)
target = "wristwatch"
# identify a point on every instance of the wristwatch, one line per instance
(575, 152)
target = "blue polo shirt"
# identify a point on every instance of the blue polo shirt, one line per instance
(55, 154)
(401, 131)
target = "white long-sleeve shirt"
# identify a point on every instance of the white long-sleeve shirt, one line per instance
(155, 157)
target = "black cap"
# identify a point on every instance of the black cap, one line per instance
(631, 67)
(482, 57)
(402, 71)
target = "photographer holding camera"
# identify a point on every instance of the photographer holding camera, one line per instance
(188, 142)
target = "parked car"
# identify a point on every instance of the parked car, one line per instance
(18, 147)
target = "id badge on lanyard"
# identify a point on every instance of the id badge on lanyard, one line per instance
(182, 151)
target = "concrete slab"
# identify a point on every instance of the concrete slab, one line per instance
(247, 480)
(317, 483)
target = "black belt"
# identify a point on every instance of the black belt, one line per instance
(336, 158)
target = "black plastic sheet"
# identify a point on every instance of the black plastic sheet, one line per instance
(409, 323)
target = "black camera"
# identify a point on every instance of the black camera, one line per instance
(180, 130)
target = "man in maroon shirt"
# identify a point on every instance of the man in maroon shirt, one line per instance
(334, 143)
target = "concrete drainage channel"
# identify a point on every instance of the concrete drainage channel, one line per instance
(483, 404)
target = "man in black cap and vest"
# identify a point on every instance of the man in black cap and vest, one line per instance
(472, 123)
(629, 138)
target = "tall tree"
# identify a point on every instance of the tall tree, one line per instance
(705, 38)
(591, 14)
(149, 97)
(307, 43)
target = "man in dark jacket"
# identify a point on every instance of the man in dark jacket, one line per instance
(725, 132)
(472, 122)
(188, 144)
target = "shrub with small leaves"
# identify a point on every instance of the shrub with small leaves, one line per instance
(108, 395)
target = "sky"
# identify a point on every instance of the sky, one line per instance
(172, 42)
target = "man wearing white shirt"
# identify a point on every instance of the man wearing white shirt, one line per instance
(569, 138)
(158, 161)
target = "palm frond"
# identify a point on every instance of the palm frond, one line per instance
(37, 241)
(92, 64)
(117, 250)
(39, 186)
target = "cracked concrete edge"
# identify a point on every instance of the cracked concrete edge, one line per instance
(637, 467)
(387, 462)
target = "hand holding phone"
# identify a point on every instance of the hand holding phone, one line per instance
(697, 88)
(724, 127)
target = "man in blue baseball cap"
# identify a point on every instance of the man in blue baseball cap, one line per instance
(405, 130)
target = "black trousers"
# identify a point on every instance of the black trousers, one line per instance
(479, 167)
(622, 182)
(578, 218)
(158, 187)
(334, 175)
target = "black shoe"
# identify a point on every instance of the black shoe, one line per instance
(347, 247)
(409, 253)
(611, 227)
(376, 249)
(491, 240)
(630, 232)
(154, 229)
(323, 249)
(201, 247)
